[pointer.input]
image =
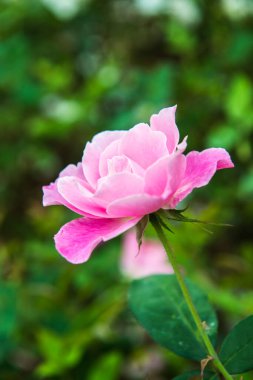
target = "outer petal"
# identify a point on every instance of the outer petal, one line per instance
(143, 146)
(165, 122)
(76, 194)
(73, 170)
(76, 240)
(92, 152)
(151, 258)
(51, 195)
(200, 168)
(182, 146)
(134, 205)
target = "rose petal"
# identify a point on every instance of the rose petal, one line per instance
(52, 197)
(118, 186)
(143, 146)
(76, 240)
(110, 151)
(73, 170)
(150, 259)
(118, 164)
(134, 205)
(164, 122)
(183, 145)
(92, 152)
(200, 168)
(75, 192)
(163, 177)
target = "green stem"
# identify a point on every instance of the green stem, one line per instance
(210, 349)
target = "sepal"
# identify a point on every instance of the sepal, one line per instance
(140, 228)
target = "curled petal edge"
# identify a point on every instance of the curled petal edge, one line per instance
(77, 239)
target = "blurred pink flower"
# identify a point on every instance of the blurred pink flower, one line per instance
(151, 259)
(125, 175)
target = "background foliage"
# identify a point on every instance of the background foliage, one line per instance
(69, 69)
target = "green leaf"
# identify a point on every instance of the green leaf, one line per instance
(239, 98)
(8, 316)
(237, 349)
(109, 364)
(159, 306)
(53, 347)
(195, 375)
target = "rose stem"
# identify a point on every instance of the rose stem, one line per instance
(216, 361)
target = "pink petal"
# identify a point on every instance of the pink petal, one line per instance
(200, 168)
(118, 186)
(143, 146)
(110, 151)
(151, 259)
(162, 178)
(76, 240)
(134, 205)
(92, 152)
(73, 170)
(183, 145)
(118, 164)
(111, 156)
(52, 197)
(164, 122)
(75, 192)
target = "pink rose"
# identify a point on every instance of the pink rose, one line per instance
(125, 175)
(151, 259)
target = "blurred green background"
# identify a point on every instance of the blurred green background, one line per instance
(72, 68)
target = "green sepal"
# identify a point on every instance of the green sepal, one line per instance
(177, 215)
(140, 228)
(162, 220)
